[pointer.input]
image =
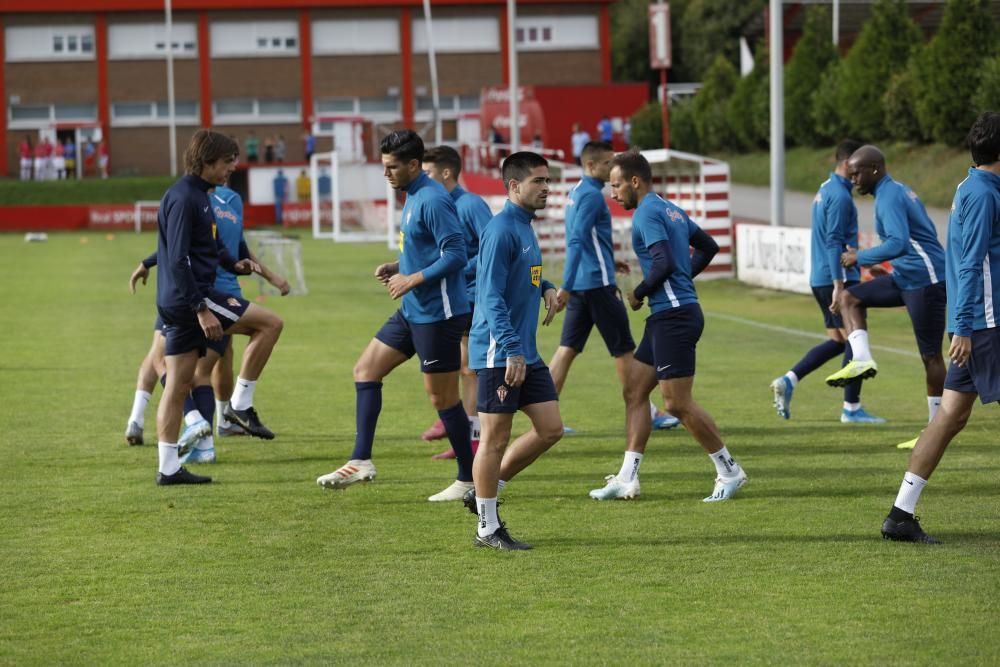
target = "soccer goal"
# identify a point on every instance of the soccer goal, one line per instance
(350, 201)
(281, 254)
(144, 214)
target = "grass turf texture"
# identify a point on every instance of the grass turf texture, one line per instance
(100, 566)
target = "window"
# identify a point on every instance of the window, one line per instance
(451, 105)
(125, 114)
(380, 109)
(55, 42)
(255, 38)
(30, 112)
(557, 33)
(40, 115)
(335, 105)
(64, 112)
(378, 104)
(458, 35)
(253, 110)
(353, 37)
(135, 41)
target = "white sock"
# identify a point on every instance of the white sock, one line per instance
(909, 492)
(859, 345)
(852, 406)
(474, 427)
(205, 443)
(220, 407)
(725, 464)
(793, 378)
(500, 484)
(488, 521)
(242, 397)
(168, 458)
(193, 417)
(652, 410)
(139, 404)
(630, 466)
(933, 403)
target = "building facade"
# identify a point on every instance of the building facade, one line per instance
(97, 68)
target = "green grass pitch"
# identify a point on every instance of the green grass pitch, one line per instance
(100, 566)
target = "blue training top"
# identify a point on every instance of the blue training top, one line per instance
(431, 241)
(908, 236)
(228, 209)
(973, 258)
(590, 257)
(473, 213)
(186, 248)
(655, 220)
(510, 287)
(834, 229)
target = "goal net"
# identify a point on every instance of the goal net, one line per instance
(282, 255)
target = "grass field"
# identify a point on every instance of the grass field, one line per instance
(100, 566)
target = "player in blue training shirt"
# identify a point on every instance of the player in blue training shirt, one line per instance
(834, 230)
(444, 164)
(973, 269)
(429, 277)
(910, 242)
(502, 348)
(662, 236)
(193, 312)
(213, 377)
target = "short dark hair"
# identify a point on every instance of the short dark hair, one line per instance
(207, 146)
(518, 166)
(592, 149)
(404, 144)
(632, 163)
(444, 157)
(983, 139)
(846, 148)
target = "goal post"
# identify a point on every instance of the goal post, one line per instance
(349, 201)
(144, 214)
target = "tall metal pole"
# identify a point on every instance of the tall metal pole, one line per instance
(435, 98)
(171, 112)
(836, 22)
(515, 121)
(777, 46)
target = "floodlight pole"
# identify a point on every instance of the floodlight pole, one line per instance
(836, 22)
(515, 121)
(777, 47)
(432, 57)
(171, 117)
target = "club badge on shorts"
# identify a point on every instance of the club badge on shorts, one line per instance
(502, 393)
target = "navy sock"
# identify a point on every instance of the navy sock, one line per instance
(817, 356)
(163, 380)
(852, 390)
(369, 405)
(189, 405)
(204, 399)
(456, 423)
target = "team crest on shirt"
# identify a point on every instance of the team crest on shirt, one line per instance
(536, 275)
(213, 230)
(502, 393)
(675, 215)
(233, 301)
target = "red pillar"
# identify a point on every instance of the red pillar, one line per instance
(205, 69)
(305, 53)
(101, 49)
(3, 111)
(605, 29)
(406, 48)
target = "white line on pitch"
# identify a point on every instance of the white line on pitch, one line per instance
(803, 334)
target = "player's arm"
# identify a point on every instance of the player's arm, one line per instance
(478, 216)
(442, 219)
(141, 272)
(837, 213)
(587, 212)
(652, 230)
(705, 248)
(896, 235)
(267, 274)
(180, 216)
(496, 253)
(978, 213)
(240, 267)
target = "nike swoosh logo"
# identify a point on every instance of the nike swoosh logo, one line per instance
(206, 209)
(525, 250)
(660, 369)
(431, 363)
(908, 482)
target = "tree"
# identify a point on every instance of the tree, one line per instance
(749, 109)
(813, 55)
(901, 121)
(947, 71)
(987, 97)
(647, 127)
(882, 49)
(711, 104)
(630, 42)
(710, 28)
(825, 113)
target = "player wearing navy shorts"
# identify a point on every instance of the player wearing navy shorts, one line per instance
(429, 277)
(503, 350)
(910, 243)
(194, 313)
(834, 230)
(662, 236)
(973, 279)
(444, 164)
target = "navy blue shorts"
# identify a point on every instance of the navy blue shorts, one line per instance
(981, 375)
(824, 297)
(927, 307)
(437, 344)
(184, 334)
(603, 307)
(669, 341)
(496, 396)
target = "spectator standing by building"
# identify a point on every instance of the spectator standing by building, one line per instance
(26, 150)
(69, 155)
(251, 145)
(280, 149)
(605, 130)
(269, 149)
(310, 144)
(579, 139)
(303, 187)
(280, 195)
